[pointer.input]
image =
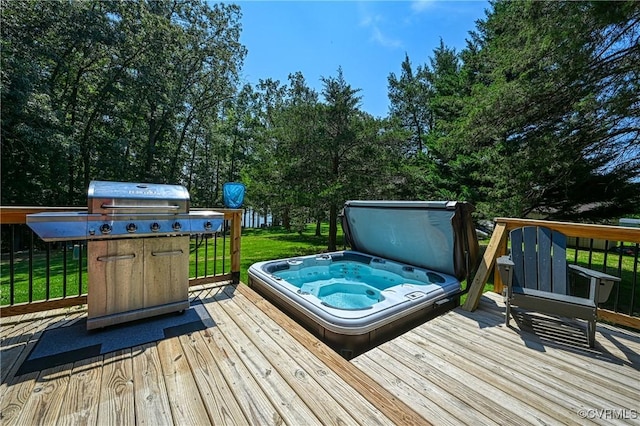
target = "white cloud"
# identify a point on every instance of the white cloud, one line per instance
(373, 23)
(419, 6)
(383, 40)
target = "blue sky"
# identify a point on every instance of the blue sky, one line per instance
(368, 39)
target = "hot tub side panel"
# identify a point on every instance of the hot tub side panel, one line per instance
(350, 344)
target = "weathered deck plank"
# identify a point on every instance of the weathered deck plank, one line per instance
(150, 392)
(358, 407)
(216, 394)
(282, 395)
(254, 365)
(116, 403)
(83, 394)
(509, 374)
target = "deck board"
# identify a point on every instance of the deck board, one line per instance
(329, 382)
(83, 394)
(535, 379)
(116, 402)
(254, 365)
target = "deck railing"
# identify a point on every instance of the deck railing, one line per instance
(618, 256)
(38, 276)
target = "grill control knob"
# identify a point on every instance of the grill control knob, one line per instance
(132, 228)
(177, 226)
(155, 226)
(208, 226)
(105, 228)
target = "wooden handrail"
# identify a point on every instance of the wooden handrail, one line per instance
(580, 230)
(498, 247)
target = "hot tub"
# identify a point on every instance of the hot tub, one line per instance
(404, 270)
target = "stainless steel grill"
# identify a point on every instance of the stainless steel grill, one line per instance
(138, 247)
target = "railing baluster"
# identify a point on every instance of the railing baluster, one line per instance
(215, 253)
(12, 264)
(197, 247)
(224, 240)
(606, 252)
(80, 255)
(31, 243)
(206, 253)
(635, 280)
(64, 269)
(48, 273)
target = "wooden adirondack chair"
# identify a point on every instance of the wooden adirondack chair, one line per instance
(536, 276)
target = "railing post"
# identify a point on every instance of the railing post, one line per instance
(236, 230)
(497, 243)
(498, 285)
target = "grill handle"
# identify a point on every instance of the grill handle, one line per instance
(114, 258)
(146, 207)
(167, 253)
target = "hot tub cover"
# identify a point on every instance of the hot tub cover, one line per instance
(437, 235)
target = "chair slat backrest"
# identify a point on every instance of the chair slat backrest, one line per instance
(539, 257)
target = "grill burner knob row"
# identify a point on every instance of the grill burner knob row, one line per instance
(105, 228)
(155, 226)
(132, 227)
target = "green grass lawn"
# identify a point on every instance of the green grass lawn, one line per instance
(260, 244)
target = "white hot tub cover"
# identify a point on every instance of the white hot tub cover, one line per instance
(437, 235)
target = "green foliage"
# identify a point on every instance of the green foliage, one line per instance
(110, 90)
(544, 113)
(539, 114)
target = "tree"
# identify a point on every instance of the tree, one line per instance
(546, 114)
(410, 98)
(109, 90)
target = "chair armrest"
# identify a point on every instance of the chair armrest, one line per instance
(505, 268)
(590, 273)
(598, 281)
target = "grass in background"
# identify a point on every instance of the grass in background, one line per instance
(259, 244)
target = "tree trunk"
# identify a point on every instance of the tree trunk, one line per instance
(318, 233)
(286, 220)
(333, 227)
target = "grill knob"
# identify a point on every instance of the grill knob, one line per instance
(105, 228)
(208, 226)
(132, 227)
(177, 226)
(155, 226)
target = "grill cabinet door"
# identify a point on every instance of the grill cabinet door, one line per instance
(115, 284)
(166, 270)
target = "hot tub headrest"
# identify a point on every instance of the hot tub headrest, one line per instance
(437, 235)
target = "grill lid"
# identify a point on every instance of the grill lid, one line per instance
(127, 197)
(127, 210)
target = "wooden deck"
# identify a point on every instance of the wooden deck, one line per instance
(256, 366)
